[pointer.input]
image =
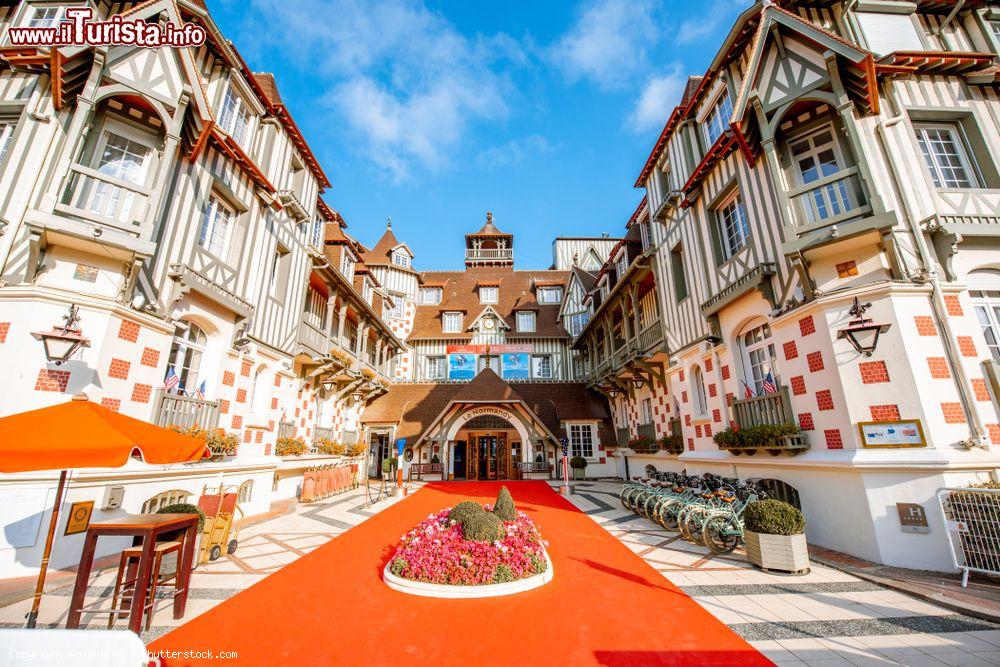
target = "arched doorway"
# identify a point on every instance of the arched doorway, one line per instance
(490, 448)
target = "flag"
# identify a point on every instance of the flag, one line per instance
(200, 391)
(747, 391)
(172, 380)
(768, 386)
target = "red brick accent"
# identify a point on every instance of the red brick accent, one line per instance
(708, 430)
(980, 390)
(237, 422)
(716, 416)
(112, 404)
(791, 350)
(833, 440)
(224, 406)
(119, 369)
(725, 372)
(806, 421)
(847, 269)
(4, 330)
(684, 397)
(682, 375)
(228, 378)
(277, 380)
(729, 398)
(708, 365)
(141, 392)
(150, 357)
(885, 412)
(691, 444)
(994, 431)
(245, 371)
(939, 368)
(50, 380)
(687, 420)
(128, 331)
(712, 392)
(807, 326)
(270, 425)
(246, 434)
(824, 399)
(815, 360)
(925, 325)
(260, 437)
(873, 372)
(241, 395)
(953, 413)
(953, 305)
(267, 449)
(798, 385)
(697, 430)
(967, 346)
(297, 411)
(274, 403)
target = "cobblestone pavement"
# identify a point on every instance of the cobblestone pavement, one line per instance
(264, 548)
(826, 617)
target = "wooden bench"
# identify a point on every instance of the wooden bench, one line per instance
(528, 467)
(418, 469)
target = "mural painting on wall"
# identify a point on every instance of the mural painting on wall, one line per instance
(515, 366)
(461, 366)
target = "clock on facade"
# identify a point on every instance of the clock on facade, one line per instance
(489, 324)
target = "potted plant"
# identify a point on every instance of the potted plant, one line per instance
(169, 565)
(672, 444)
(643, 445)
(290, 447)
(774, 538)
(389, 472)
(579, 466)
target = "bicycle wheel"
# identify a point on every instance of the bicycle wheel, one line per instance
(722, 533)
(691, 526)
(668, 514)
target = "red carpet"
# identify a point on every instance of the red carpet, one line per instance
(604, 606)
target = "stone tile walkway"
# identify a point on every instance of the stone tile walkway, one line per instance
(826, 617)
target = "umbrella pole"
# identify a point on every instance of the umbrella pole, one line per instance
(33, 614)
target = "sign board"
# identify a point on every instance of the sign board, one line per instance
(904, 433)
(461, 366)
(912, 518)
(78, 518)
(487, 410)
(493, 349)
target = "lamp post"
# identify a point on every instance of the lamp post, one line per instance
(862, 333)
(62, 342)
(564, 489)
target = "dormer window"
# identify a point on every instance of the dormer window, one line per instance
(347, 265)
(430, 296)
(451, 322)
(621, 266)
(400, 258)
(549, 295)
(718, 118)
(489, 294)
(235, 117)
(525, 320)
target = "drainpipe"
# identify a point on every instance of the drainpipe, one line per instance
(939, 33)
(939, 310)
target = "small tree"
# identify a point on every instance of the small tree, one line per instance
(504, 507)
(388, 465)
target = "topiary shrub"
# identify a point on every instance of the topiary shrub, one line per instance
(578, 462)
(464, 510)
(773, 517)
(388, 466)
(184, 508)
(485, 527)
(504, 507)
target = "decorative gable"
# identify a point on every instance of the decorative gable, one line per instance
(489, 313)
(790, 70)
(155, 72)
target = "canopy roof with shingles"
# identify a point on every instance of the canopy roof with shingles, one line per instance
(413, 408)
(517, 291)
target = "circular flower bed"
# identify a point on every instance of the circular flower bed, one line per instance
(471, 550)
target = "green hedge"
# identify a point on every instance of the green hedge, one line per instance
(504, 507)
(485, 527)
(465, 510)
(184, 508)
(773, 517)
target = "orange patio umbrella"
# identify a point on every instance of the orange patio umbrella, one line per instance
(81, 434)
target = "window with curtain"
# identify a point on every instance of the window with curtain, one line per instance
(756, 353)
(451, 322)
(435, 368)
(541, 366)
(235, 117)
(718, 118)
(733, 228)
(488, 294)
(525, 320)
(430, 296)
(186, 352)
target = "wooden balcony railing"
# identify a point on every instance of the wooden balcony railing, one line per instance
(646, 431)
(104, 199)
(773, 408)
(650, 336)
(828, 200)
(313, 337)
(184, 411)
(622, 436)
(322, 433)
(286, 429)
(490, 254)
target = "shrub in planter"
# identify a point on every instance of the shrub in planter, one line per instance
(463, 511)
(504, 507)
(220, 442)
(388, 466)
(773, 536)
(672, 444)
(727, 438)
(503, 574)
(643, 445)
(579, 466)
(290, 447)
(169, 565)
(485, 527)
(773, 517)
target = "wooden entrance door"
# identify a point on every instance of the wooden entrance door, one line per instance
(472, 457)
(503, 458)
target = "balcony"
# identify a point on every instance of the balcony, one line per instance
(768, 410)
(646, 431)
(184, 411)
(622, 435)
(828, 201)
(489, 255)
(103, 199)
(286, 430)
(322, 433)
(313, 338)
(650, 336)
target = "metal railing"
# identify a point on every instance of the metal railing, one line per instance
(350, 437)
(646, 431)
(184, 411)
(972, 524)
(105, 199)
(773, 409)
(828, 200)
(286, 429)
(322, 433)
(623, 436)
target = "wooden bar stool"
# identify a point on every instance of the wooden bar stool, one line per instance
(128, 566)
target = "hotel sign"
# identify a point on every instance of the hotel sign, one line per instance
(493, 349)
(487, 410)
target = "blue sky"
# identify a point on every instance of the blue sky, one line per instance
(434, 112)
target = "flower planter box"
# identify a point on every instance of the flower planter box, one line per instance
(579, 473)
(781, 553)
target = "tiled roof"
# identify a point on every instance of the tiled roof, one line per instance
(516, 292)
(414, 407)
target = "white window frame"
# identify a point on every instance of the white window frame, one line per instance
(582, 441)
(347, 263)
(489, 294)
(757, 356)
(932, 160)
(577, 321)
(538, 360)
(431, 296)
(986, 303)
(717, 119)
(165, 499)
(182, 344)
(451, 321)
(621, 264)
(699, 398)
(437, 367)
(523, 324)
(218, 211)
(545, 294)
(400, 258)
(7, 129)
(236, 117)
(734, 229)
(398, 309)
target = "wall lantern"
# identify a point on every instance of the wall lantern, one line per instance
(327, 383)
(637, 382)
(357, 397)
(62, 342)
(861, 333)
(613, 392)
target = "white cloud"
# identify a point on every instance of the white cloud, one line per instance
(658, 98)
(408, 84)
(514, 151)
(608, 42)
(707, 21)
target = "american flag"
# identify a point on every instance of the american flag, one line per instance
(769, 386)
(200, 391)
(172, 380)
(747, 391)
